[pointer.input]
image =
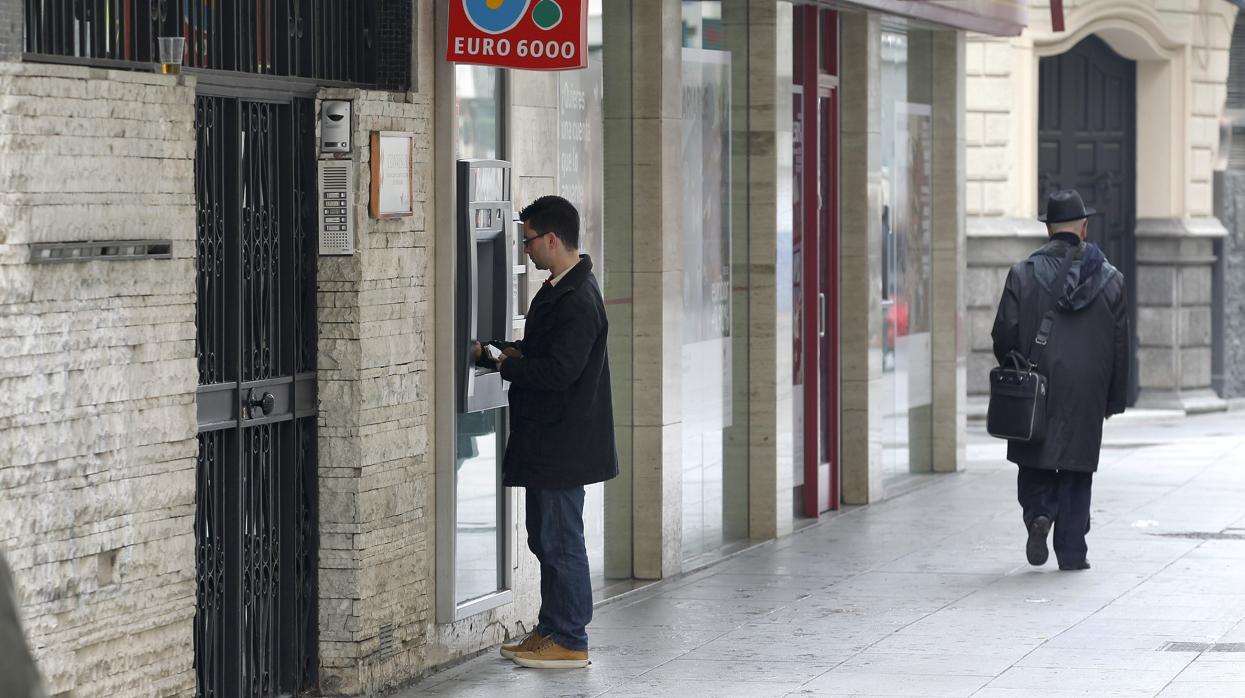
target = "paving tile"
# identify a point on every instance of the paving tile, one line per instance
(1182, 630)
(1210, 612)
(1058, 692)
(693, 614)
(1214, 667)
(873, 661)
(737, 670)
(516, 681)
(904, 643)
(1087, 682)
(731, 593)
(1204, 689)
(818, 650)
(649, 688)
(853, 683)
(1098, 658)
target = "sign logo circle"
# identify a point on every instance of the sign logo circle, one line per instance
(495, 16)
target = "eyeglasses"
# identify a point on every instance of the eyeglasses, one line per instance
(527, 241)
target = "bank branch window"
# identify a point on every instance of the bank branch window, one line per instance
(480, 502)
(715, 494)
(907, 221)
(581, 180)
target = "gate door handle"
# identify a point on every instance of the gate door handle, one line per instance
(821, 315)
(264, 402)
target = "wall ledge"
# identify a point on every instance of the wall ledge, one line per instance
(1205, 227)
(1004, 227)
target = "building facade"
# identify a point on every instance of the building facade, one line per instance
(1124, 105)
(1228, 322)
(235, 456)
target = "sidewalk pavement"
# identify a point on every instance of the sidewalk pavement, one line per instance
(929, 594)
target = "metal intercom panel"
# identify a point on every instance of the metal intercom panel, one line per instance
(336, 207)
(335, 126)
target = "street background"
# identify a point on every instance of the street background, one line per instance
(929, 594)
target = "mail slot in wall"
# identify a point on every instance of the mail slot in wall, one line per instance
(486, 260)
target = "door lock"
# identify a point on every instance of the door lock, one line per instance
(264, 402)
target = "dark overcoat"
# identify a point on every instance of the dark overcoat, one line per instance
(561, 408)
(1086, 360)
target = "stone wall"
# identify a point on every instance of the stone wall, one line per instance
(376, 467)
(994, 244)
(1231, 212)
(1181, 50)
(378, 620)
(98, 373)
(11, 40)
(1002, 100)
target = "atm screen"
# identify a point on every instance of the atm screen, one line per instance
(489, 184)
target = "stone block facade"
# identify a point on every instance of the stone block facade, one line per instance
(378, 619)
(11, 30)
(1180, 48)
(375, 388)
(1175, 269)
(1231, 210)
(97, 365)
(1002, 100)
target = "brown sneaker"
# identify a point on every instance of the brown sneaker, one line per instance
(529, 642)
(550, 655)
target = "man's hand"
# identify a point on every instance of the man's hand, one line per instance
(509, 353)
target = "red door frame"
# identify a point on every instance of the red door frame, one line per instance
(820, 258)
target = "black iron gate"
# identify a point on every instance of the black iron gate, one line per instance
(255, 517)
(1087, 111)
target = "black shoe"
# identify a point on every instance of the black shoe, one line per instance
(1036, 549)
(1073, 566)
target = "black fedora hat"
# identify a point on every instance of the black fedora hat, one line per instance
(1065, 205)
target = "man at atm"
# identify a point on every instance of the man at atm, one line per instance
(561, 429)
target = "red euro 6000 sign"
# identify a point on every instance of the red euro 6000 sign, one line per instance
(524, 34)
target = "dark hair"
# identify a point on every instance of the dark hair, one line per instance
(553, 214)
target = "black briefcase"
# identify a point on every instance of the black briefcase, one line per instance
(1017, 409)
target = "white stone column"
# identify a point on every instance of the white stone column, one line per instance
(860, 265)
(618, 283)
(657, 279)
(766, 137)
(949, 336)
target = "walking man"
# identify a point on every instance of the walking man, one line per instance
(1086, 365)
(561, 429)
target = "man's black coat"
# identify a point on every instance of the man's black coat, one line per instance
(561, 411)
(1086, 356)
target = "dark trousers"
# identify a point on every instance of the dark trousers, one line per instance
(1063, 497)
(555, 534)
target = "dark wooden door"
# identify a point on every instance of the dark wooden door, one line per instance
(1087, 141)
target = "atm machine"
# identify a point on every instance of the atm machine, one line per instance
(487, 256)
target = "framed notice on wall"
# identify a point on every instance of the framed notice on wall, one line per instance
(393, 174)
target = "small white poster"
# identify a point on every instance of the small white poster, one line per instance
(391, 174)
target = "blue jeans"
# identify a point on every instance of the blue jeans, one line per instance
(555, 534)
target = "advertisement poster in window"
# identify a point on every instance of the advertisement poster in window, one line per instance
(911, 226)
(581, 155)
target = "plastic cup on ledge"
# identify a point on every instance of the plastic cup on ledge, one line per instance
(172, 49)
